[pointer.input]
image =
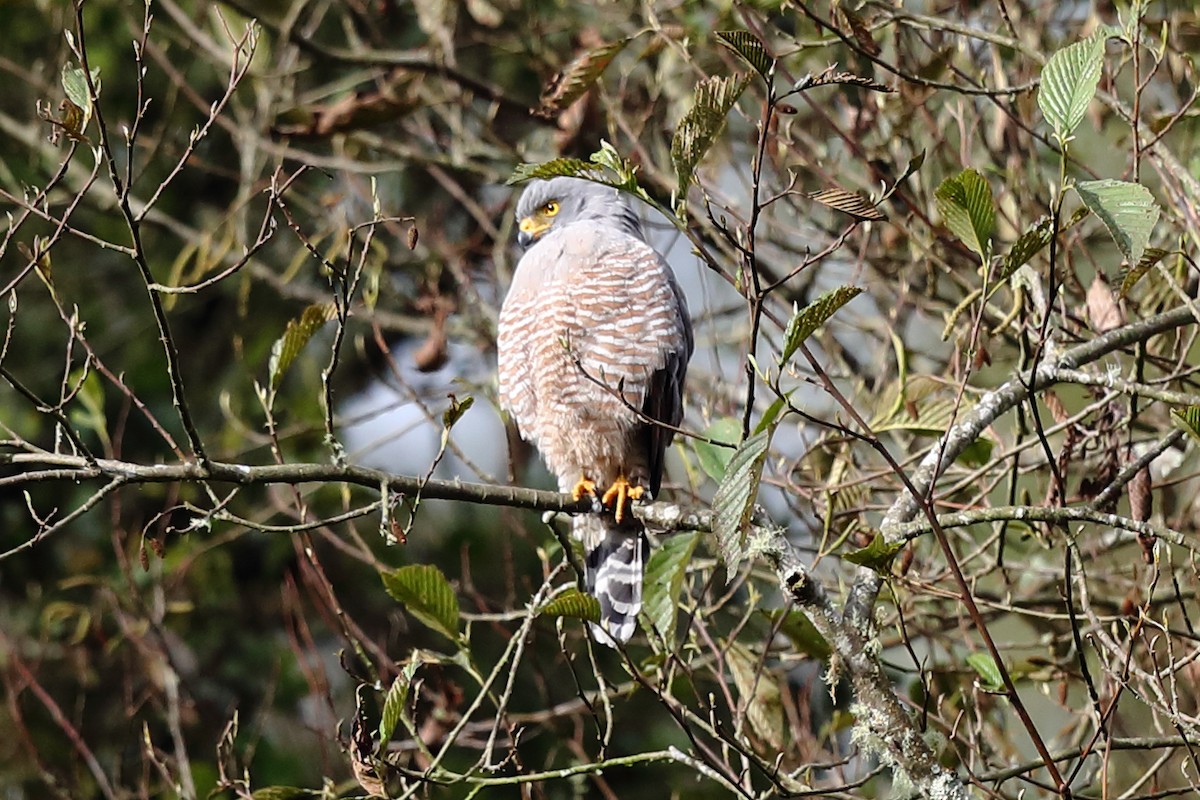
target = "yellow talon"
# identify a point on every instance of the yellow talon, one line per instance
(624, 494)
(586, 486)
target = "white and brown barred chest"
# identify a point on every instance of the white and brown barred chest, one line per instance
(589, 319)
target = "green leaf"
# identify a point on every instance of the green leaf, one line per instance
(977, 453)
(985, 665)
(395, 702)
(877, 556)
(285, 793)
(715, 458)
(427, 595)
(74, 83)
(772, 413)
(751, 50)
(573, 603)
(966, 205)
(711, 103)
(456, 410)
(1150, 257)
(1127, 209)
(577, 77)
(1033, 241)
(295, 336)
(559, 167)
(663, 581)
(804, 635)
(1028, 244)
(1069, 82)
(608, 158)
(805, 321)
(733, 502)
(759, 692)
(1188, 419)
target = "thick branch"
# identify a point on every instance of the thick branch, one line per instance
(51, 467)
(990, 407)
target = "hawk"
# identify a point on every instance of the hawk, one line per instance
(593, 343)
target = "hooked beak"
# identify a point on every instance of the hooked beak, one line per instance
(531, 229)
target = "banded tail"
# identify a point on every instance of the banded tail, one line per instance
(614, 562)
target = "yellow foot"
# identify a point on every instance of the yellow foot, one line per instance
(586, 486)
(620, 495)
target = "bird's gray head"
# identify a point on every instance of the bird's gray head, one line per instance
(551, 205)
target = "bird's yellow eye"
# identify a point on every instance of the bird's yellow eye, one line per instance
(550, 209)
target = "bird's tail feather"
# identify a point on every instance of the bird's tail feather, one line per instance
(614, 562)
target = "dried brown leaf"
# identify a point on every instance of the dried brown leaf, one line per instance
(1057, 409)
(862, 32)
(850, 203)
(1141, 501)
(363, 762)
(1104, 314)
(577, 77)
(849, 79)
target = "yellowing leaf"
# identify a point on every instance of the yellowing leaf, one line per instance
(297, 334)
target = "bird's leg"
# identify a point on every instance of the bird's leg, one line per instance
(623, 493)
(585, 486)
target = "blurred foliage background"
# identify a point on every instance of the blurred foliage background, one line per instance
(306, 199)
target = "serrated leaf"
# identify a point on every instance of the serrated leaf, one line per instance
(968, 210)
(850, 203)
(805, 321)
(1028, 244)
(559, 167)
(427, 595)
(573, 603)
(759, 692)
(733, 502)
(394, 704)
(1188, 419)
(295, 336)
(1069, 82)
(751, 50)
(1127, 209)
(715, 458)
(803, 634)
(711, 103)
(985, 665)
(1131, 276)
(663, 581)
(577, 77)
(877, 556)
(608, 158)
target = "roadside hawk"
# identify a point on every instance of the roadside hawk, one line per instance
(594, 341)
